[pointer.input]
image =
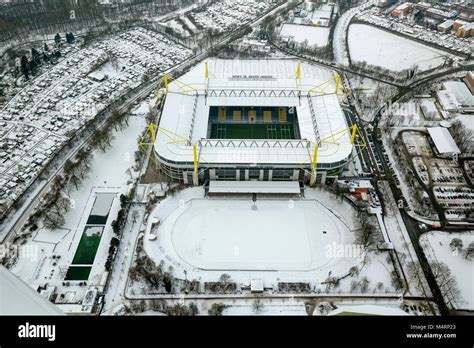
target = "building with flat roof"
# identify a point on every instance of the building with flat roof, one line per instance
(443, 141)
(446, 25)
(252, 120)
(461, 93)
(403, 9)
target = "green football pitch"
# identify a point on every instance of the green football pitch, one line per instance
(253, 131)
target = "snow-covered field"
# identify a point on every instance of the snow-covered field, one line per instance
(316, 36)
(280, 241)
(209, 234)
(378, 47)
(437, 249)
(108, 175)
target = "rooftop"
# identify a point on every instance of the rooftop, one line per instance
(251, 83)
(443, 140)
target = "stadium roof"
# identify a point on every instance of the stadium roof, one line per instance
(281, 187)
(18, 298)
(443, 140)
(264, 83)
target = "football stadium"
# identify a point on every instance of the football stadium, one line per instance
(243, 120)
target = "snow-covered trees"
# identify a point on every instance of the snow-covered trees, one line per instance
(446, 282)
(216, 309)
(469, 251)
(463, 136)
(456, 245)
(257, 306)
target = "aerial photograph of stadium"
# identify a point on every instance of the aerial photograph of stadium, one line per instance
(304, 162)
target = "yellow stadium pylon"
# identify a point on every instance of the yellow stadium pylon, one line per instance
(165, 81)
(195, 174)
(336, 139)
(314, 166)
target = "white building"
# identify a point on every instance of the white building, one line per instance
(443, 141)
(256, 95)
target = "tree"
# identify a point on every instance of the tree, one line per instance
(193, 309)
(53, 221)
(70, 38)
(462, 136)
(36, 56)
(446, 282)
(456, 245)
(365, 235)
(469, 251)
(257, 306)
(364, 285)
(354, 285)
(224, 278)
(396, 281)
(25, 67)
(45, 48)
(216, 309)
(57, 39)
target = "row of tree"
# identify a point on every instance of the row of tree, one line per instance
(57, 201)
(30, 65)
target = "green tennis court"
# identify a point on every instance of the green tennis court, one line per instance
(253, 131)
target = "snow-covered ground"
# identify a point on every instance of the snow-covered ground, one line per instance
(467, 120)
(368, 310)
(437, 249)
(276, 236)
(280, 241)
(109, 174)
(316, 36)
(378, 47)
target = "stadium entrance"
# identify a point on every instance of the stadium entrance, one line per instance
(253, 122)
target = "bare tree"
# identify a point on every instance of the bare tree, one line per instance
(257, 306)
(446, 282)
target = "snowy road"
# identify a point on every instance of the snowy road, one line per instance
(341, 56)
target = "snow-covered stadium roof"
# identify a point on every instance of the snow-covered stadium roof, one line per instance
(281, 187)
(251, 83)
(17, 298)
(443, 140)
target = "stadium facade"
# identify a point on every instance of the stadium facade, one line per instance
(252, 120)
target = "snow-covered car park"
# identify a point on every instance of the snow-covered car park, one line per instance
(53, 106)
(402, 26)
(457, 200)
(220, 16)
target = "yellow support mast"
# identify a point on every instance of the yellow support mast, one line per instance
(165, 81)
(336, 138)
(195, 174)
(298, 77)
(338, 81)
(314, 166)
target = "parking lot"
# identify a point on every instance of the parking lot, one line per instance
(411, 29)
(52, 106)
(218, 17)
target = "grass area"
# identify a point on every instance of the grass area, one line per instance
(253, 131)
(88, 246)
(78, 273)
